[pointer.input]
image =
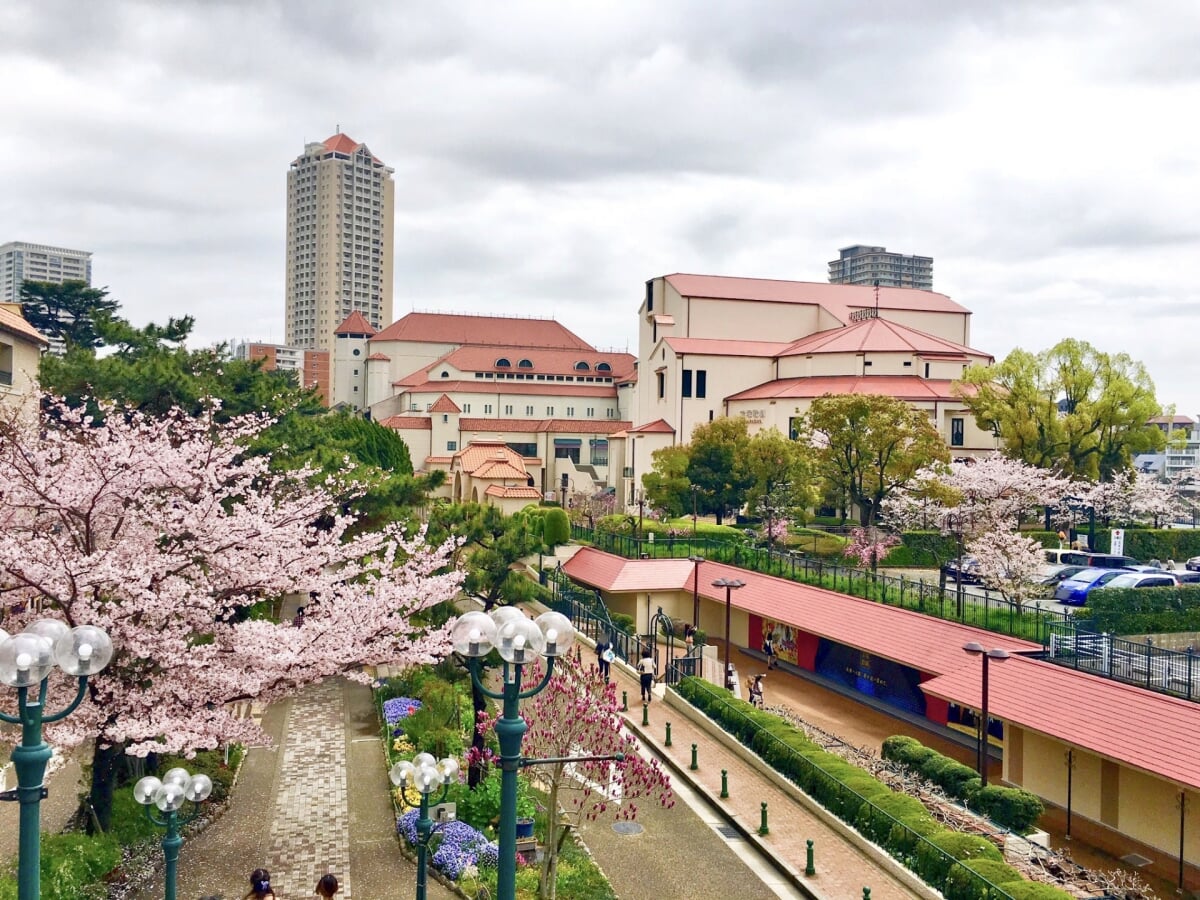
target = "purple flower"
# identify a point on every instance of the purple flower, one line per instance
(399, 708)
(456, 845)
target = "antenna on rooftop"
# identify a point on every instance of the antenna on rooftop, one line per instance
(877, 298)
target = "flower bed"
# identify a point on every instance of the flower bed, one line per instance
(457, 845)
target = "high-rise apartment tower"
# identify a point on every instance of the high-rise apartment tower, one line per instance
(21, 262)
(861, 264)
(339, 241)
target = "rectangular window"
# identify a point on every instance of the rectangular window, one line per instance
(649, 296)
(570, 411)
(571, 453)
(956, 432)
(701, 383)
(662, 384)
(549, 410)
(487, 408)
(466, 407)
(508, 410)
(526, 450)
(685, 386)
(529, 410)
(451, 446)
(591, 411)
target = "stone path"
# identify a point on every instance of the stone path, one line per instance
(310, 826)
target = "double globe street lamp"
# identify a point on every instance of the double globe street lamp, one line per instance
(426, 774)
(520, 641)
(169, 794)
(26, 661)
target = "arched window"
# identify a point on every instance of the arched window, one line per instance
(603, 367)
(503, 363)
(582, 366)
(525, 364)
(445, 374)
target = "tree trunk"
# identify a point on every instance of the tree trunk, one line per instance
(475, 772)
(548, 880)
(105, 763)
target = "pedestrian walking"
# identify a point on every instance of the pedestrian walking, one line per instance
(689, 636)
(260, 886)
(730, 680)
(756, 691)
(604, 657)
(326, 887)
(769, 650)
(647, 669)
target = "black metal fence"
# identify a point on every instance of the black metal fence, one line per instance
(989, 610)
(1174, 672)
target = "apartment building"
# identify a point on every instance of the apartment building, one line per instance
(311, 366)
(21, 262)
(866, 265)
(340, 204)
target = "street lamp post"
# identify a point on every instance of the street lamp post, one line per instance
(975, 648)
(1079, 504)
(169, 795)
(730, 585)
(426, 774)
(26, 660)
(696, 560)
(519, 642)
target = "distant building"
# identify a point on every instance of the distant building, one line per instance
(861, 264)
(311, 366)
(21, 262)
(339, 241)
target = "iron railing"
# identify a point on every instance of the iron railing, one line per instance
(1174, 672)
(989, 611)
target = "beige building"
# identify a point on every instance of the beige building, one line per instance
(340, 200)
(21, 348)
(712, 346)
(862, 264)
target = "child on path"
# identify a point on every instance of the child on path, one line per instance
(260, 886)
(604, 657)
(326, 887)
(647, 669)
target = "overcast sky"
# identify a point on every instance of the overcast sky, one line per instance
(551, 157)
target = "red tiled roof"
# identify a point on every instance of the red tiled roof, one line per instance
(18, 324)
(441, 460)
(514, 491)
(880, 336)
(659, 427)
(379, 356)
(902, 387)
(720, 347)
(444, 405)
(545, 388)
(491, 331)
(499, 468)
(478, 454)
(1171, 420)
(534, 426)
(341, 143)
(545, 362)
(1147, 730)
(355, 323)
(909, 638)
(838, 299)
(407, 423)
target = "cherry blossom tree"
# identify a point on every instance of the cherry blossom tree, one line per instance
(775, 531)
(869, 545)
(165, 534)
(588, 506)
(1008, 562)
(577, 715)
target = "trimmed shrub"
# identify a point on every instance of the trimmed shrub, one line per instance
(962, 882)
(556, 527)
(934, 866)
(1029, 890)
(1015, 808)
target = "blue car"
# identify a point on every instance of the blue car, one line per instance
(1074, 591)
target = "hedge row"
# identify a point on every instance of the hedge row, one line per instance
(961, 866)
(1010, 807)
(1145, 610)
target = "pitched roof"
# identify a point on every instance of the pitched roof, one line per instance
(1171, 420)
(1144, 729)
(407, 423)
(444, 404)
(660, 426)
(720, 347)
(533, 426)
(513, 492)
(18, 324)
(480, 454)
(838, 299)
(489, 331)
(355, 323)
(901, 635)
(902, 387)
(379, 356)
(877, 335)
(341, 143)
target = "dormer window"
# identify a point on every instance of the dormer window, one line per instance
(525, 364)
(503, 363)
(582, 367)
(603, 367)
(445, 374)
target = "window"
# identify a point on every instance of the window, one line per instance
(571, 453)
(527, 450)
(591, 411)
(451, 446)
(508, 409)
(603, 367)
(502, 363)
(701, 382)
(581, 366)
(662, 384)
(956, 432)
(685, 388)
(649, 296)
(926, 370)
(466, 407)
(529, 410)
(487, 408)
(356, 371)
(570, 411)
(446, 374)
(445, 417)
(549, 410)
(524, 364)
(357, 352)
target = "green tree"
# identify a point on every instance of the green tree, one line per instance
(1072, 407)
(66, 311)
(716, 459)
(556, 527)
(666, 485)
(865, 447)
(782, 474)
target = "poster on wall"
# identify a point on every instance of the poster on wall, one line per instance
(784, 639)
(872, 675)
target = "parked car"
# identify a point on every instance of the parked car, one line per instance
(1193, 564)
(1073, 591)
(1142, 580)
(1098, 560)
(1055, 575)
(1188, 577)
(968, 575)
